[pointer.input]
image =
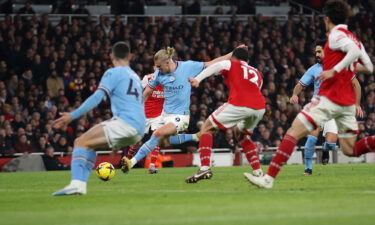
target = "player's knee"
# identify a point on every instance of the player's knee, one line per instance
(79, 142)
(348, 150)
(158, 134)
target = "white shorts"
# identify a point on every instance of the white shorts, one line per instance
(330, 127)
(228, 116)
(119, 134)
(181, 121)
(153, 123)
(321, 110)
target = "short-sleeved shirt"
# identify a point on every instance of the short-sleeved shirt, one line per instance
(309, 77)
(124, 89)
(176, 86)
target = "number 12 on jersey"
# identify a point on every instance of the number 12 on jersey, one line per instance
(254, 79)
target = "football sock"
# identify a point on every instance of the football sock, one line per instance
(250, 151)
(364, 146)
(329, 146)
(145, 149)
(131, 152)
(78, 164)
(309, 150)
(91, 159)
(205, 147)
(182, 138)
(154, 155)
(282, 155)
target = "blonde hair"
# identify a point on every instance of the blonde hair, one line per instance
(164, 54)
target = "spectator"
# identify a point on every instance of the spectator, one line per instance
(54, 84)
(51, 162)
(228, 141)
(23, 145)
(27, 9)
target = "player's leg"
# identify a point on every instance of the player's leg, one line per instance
(148, 146)
(312, 138)
(348, 129)
(182, 138)
(330, 133)
(243, 130)
(313, 115)
(83, 159)
(205, 148)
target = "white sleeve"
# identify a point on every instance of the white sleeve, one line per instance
(365, 60)
(144, 81)
(213, 69)
(340, 42)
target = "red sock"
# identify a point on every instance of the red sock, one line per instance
(154, 154)
(250, 152)
(131, 152)
(282, 155)
(205, 147)
(364, 145)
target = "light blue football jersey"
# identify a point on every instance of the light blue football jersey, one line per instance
(176, 86)
(124, 89)
(310, 75)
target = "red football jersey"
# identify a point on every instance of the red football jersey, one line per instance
(155, 101)
(339, 89)
(244, 83)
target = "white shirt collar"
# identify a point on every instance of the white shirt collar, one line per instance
(340, 26)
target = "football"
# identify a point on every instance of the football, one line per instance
(105, 171)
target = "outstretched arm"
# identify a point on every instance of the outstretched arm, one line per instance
(90, 103)
(209, 71)
(221, 58)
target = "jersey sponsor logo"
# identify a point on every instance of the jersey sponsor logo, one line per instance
(173, 88)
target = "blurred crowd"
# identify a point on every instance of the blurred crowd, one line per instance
(46, 69)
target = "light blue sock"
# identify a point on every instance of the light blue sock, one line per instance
(180, 138)
(146, 148)
(78, 165)
(329, 146)
(309, 150)
(90, 163)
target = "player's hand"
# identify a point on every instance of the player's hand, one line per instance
(294, 99)
(359, 111)
(326, 74)
(65, 118)
(194, 82)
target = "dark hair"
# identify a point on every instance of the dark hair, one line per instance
(320, 42)
(120, 50)
(241, 54)
(337, 11)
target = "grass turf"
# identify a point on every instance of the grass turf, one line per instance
(335, 194)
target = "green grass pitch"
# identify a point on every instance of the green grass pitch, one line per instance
(335, 194)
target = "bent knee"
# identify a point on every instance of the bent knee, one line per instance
(79, 142)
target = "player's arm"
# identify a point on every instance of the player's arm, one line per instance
(358, 93)
(221, 58)
(365, 66)
(306, 80)
(209, 71)
(147, 92)
(340, 42)
(90, 103)
(296, 91)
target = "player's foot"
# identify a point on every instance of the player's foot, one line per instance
(200, 175)
(153, 170)
(258, 172)
(262, 182)
(325, 157)
(69, 190)
(308, 172)
(126, 164)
